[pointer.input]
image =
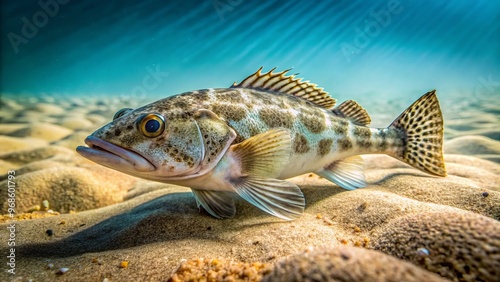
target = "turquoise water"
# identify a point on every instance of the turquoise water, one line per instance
(353, 49)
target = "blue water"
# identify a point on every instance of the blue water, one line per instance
(160, 48)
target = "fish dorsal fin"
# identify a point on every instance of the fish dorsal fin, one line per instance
(353, 112)
(279, 82)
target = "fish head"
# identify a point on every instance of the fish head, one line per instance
(159, 145)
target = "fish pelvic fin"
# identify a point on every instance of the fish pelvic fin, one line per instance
(421, 126)
(219, 204)
(262, 159)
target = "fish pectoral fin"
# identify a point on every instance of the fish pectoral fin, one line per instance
(347, 173)
(262, 159)
(276, 197)
(219, 204)
(264, 155)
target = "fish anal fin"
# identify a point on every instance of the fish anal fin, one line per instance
(352, 111)
(348, 173)
(279, 82)
(421, 126)
(219, 204)
(276, 197)
(265, 154)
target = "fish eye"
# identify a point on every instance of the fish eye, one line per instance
(151, 125)
(121, 112)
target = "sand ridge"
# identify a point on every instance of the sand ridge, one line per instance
(103, 218)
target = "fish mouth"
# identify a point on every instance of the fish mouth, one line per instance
(113, 156)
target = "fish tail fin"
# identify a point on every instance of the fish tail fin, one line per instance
(421, 127)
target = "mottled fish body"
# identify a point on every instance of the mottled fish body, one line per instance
(247, 138)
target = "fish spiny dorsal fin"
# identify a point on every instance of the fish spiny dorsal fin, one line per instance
(279, 82)
(353, 112)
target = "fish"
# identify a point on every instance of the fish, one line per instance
(248, 139)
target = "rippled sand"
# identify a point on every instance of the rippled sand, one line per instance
(404, 225)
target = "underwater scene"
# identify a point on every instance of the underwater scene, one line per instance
(232, 140)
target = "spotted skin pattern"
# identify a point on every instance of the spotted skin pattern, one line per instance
(203, 130)
(250, 112)
(318, 135)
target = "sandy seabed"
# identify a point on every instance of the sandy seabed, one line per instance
(78, 221)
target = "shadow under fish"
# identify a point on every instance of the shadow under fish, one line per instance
(150, 222)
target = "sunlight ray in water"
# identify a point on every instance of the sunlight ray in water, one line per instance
(138, 142)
